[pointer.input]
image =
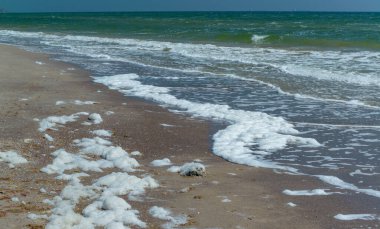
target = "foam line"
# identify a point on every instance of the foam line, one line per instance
(337, 125)
(335, 181)
(249, 137)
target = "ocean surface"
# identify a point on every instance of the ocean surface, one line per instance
(297, 92)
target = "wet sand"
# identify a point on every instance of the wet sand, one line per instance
(30, 85)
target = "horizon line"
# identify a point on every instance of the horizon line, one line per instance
(195, 11)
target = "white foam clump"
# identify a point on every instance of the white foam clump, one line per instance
(250, 137)
(136, 153)
(95, 118)
(76, 102)
(161, 162)
(290, 204)
(226, 200)
(165, 214)
(49, 138)
(39, 62)
(123, 184)
(350, 217)
(12, 158)
(60, 103)
(344, 185)
(189, 169)
(314, 192)
(103, 148)
(79, 102)
(174, 169)
(109, 210)
(67, 161)
(106, 209)
(109, 113)
(52, 121)
(102, 133)
(166, 125)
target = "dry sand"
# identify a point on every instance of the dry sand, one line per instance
(29, 90)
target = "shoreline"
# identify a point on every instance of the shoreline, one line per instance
(258, 201)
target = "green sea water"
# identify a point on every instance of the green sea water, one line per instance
(277, 29)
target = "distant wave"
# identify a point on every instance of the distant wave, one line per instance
(258, 39)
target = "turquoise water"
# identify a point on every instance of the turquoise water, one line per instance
(300, 53)
(334, 30)
(259, 73)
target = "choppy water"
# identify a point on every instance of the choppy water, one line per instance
(259, 72)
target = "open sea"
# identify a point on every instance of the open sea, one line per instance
(298, 92)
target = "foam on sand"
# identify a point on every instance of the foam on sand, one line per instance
(39, 62)
(113, 154)
(102, 133)
(161, 162)
(226, 200)
(106, 208)
(60, 103)
(166, 125)
(314, 192)
(12, 158)
(250, 137)
(124, 184)
(95, 118)
(166, 214)
(350, 217)
(192, 169)
(67, 161)
(290, 204)
(136, 153)
(52, 121)
(189, 169)
(75, 102)
(79, 102)
(49, 138)
(109, 113)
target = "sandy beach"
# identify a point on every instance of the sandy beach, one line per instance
(227, 196)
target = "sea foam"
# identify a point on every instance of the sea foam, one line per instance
(247, 140)
(356, 217)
